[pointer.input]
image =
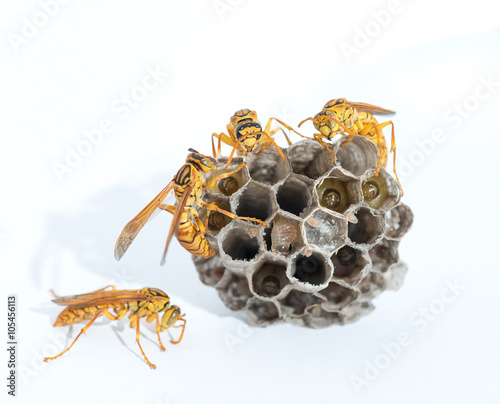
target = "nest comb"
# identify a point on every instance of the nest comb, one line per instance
(331, 245)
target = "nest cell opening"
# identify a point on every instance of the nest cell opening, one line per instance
(380, 192)
(399, 221)
(309, 158)
(312, 269)
(384, 254)
(325, 230)
(337, 296)
(372, 285)
(239, 245)
(337, 194)
(255, 201)
(269, 280)
(293, 197)
(358, 156)
(234, 291)
(296, 302)
(267, 167)
(348, 263)
(367, 229)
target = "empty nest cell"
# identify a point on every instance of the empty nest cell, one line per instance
(293, 196)
(256, 201)
(357, 156)
(309, 158)
(239, 244)
(368, 228)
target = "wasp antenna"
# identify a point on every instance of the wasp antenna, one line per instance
(307, 119)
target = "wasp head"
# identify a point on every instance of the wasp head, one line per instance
(170, 317)
(326, 123)
(202, 162)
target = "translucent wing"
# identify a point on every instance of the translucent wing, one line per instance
(372, 109)
(133, 227)
(177, 217)
(101, 297)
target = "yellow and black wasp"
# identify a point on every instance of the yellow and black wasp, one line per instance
(245, 133)
(189, 230)
(340, 116)
(146, 302)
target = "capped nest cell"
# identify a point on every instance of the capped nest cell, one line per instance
(332, 236)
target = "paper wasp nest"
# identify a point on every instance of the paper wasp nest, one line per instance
(332, 239)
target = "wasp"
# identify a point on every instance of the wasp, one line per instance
(340, 116)
(189, 230)
(146, 302)
(245, 134)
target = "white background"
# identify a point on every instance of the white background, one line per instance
(281, 58)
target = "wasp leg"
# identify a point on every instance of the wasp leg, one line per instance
(155, 317)
(272, 132)
(235, 148)
(137, 335)
(271, 141)
(318, 138)
(212, 182)
(83, 330)
(393, 149)
(168, 208)
(265, 145)
(221, 137)
(286, 126)
(229, 214)
(180, 318)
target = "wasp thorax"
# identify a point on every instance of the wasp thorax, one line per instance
(370, 190)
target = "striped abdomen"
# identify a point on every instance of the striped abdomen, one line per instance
(191, 239)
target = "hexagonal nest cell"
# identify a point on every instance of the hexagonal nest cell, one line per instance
(331, 241)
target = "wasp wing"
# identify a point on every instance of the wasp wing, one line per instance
(133, 227)
(373, 109)
(174, 227)
(101, 297)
